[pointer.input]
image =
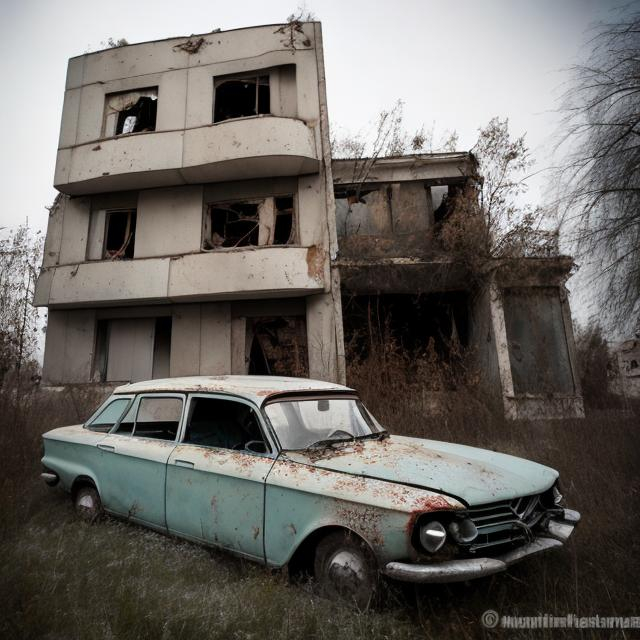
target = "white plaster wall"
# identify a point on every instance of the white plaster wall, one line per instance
(321, 338)
(75, 230)
(169, 222)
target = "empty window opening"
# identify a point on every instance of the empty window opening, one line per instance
(236, 224)
(101, 349)
(283, 227)
(162, 347)
(120, 235)
(443, 200)
(278, 346)
(268, 221)
(411, 323)
(131, 112)
(224, 424)
(241, 96)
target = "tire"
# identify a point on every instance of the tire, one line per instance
(87, 503)
(346, 570)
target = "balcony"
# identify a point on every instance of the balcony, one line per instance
(257, 147)
(220, 275)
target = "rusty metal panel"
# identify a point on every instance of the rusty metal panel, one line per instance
(537, 341)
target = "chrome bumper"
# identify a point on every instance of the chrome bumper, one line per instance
(50, 478)
(557, 532)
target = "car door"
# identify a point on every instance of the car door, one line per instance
(216, 475)
(135, 454)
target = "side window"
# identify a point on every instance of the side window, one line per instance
(224, 424)
(241, 96)
(243, 223)
(158, 418)
(130, 112)
(109, 415)
(120, 235)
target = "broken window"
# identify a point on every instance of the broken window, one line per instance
(223, 424)
(268, 221)
(131, 112)
(241, 96)
(278, 346)
(443, 198)
(120, 235)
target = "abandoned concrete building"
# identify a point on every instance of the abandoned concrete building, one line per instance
(202, 228)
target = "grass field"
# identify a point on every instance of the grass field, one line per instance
(62, 578)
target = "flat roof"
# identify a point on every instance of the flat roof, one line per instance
(255, 388)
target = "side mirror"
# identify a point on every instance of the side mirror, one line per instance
(256, 446)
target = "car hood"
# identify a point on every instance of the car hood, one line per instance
(475, 476)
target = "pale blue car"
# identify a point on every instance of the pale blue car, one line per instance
(297, 472)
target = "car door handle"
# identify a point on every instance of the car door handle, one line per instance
(106, 447)
(184, 463)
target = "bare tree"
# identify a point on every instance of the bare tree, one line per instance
(489, 218)
(20, 256)
(387, 137)
(600, 177)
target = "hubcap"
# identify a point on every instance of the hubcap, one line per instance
(86, 502)
(347, 572)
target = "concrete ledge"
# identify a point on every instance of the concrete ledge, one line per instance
(218, 275)
(233, 150)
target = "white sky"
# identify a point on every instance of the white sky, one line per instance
(454, 64)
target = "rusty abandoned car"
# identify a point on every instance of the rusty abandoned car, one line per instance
(285, 470)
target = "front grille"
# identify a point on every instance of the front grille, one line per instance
(508, 522)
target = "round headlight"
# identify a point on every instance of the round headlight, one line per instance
(432, 536)
(463, 531)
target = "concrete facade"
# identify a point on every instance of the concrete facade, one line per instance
(137, 275)
(202, 228)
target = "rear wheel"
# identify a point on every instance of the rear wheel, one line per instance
(346, 570)
(87, 503)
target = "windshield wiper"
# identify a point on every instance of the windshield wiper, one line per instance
(380, 435)
(329, 442)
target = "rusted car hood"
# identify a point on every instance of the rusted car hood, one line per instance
(476, 476)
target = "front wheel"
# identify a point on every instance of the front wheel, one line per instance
(87, 503)
(346, 570)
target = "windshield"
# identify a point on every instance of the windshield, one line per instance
(301, 424)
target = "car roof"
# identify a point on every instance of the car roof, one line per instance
(255, 388)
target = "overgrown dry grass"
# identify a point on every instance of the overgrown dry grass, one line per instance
(62, 578)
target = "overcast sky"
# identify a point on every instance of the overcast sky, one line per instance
(455, 65)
